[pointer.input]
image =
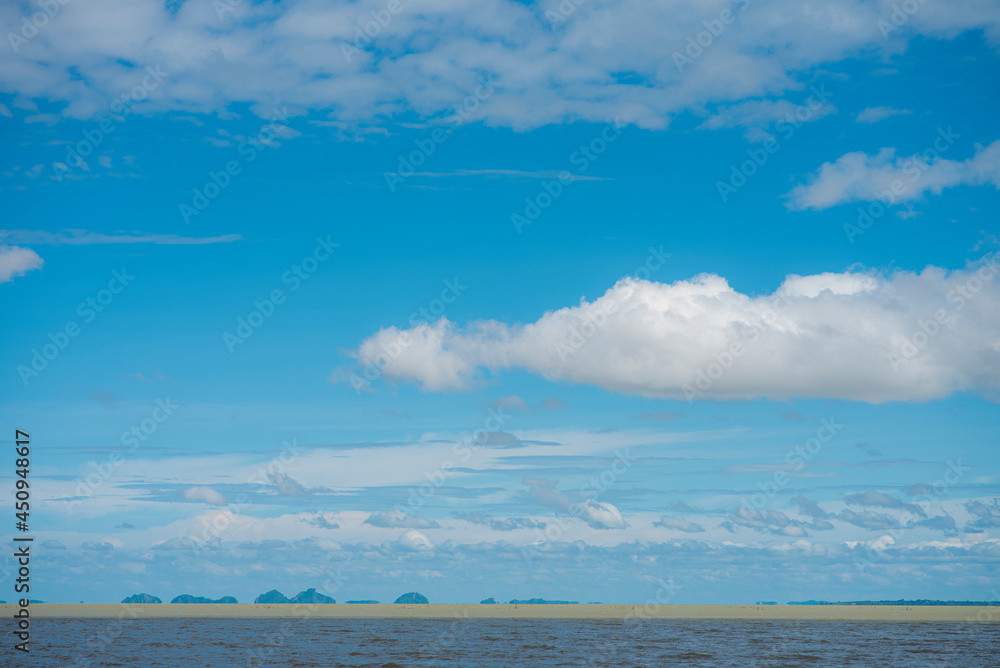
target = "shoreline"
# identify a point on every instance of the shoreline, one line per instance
(885, 613)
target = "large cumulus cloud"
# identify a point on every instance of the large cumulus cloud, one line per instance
(863, 336)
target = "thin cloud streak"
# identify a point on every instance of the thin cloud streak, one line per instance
(72, 237)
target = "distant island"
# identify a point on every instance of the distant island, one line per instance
(307, 596)
(527, 601)
(188, 598)
(312, 596)
(918, 601)
(273, 596)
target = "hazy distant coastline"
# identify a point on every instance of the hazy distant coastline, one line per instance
(988, 614)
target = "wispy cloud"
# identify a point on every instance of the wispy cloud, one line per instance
(514, 174)
(663, 416)
(204, 494)
(876, 499)
(397, 519)
(668, 522)
(501, 524)
(876, 114)
(757, 116)
(73, 237)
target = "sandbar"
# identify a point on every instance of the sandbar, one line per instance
(901, 613)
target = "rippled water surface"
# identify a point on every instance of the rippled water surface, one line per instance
(502, 643)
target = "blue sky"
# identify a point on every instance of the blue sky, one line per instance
(690, 364)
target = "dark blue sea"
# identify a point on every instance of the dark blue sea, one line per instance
(176, 643)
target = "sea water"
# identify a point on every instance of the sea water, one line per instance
(503, 643)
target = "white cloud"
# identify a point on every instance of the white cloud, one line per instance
(601, 515)
(512, 173)
(858, 176)
(397, 519)
(206, 494)
(678, 523)
(287, 486)
(850, 335)
(17, 261)
(836, 284)
(876, 114)
(414, 541)
(608, 59)
(597, 514)
(554, 404)
(322, 520)
(755, 116)
(86, 238)
(881, 500)
(21, 102)
(512, 403)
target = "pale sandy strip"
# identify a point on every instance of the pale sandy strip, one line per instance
(503, 611)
